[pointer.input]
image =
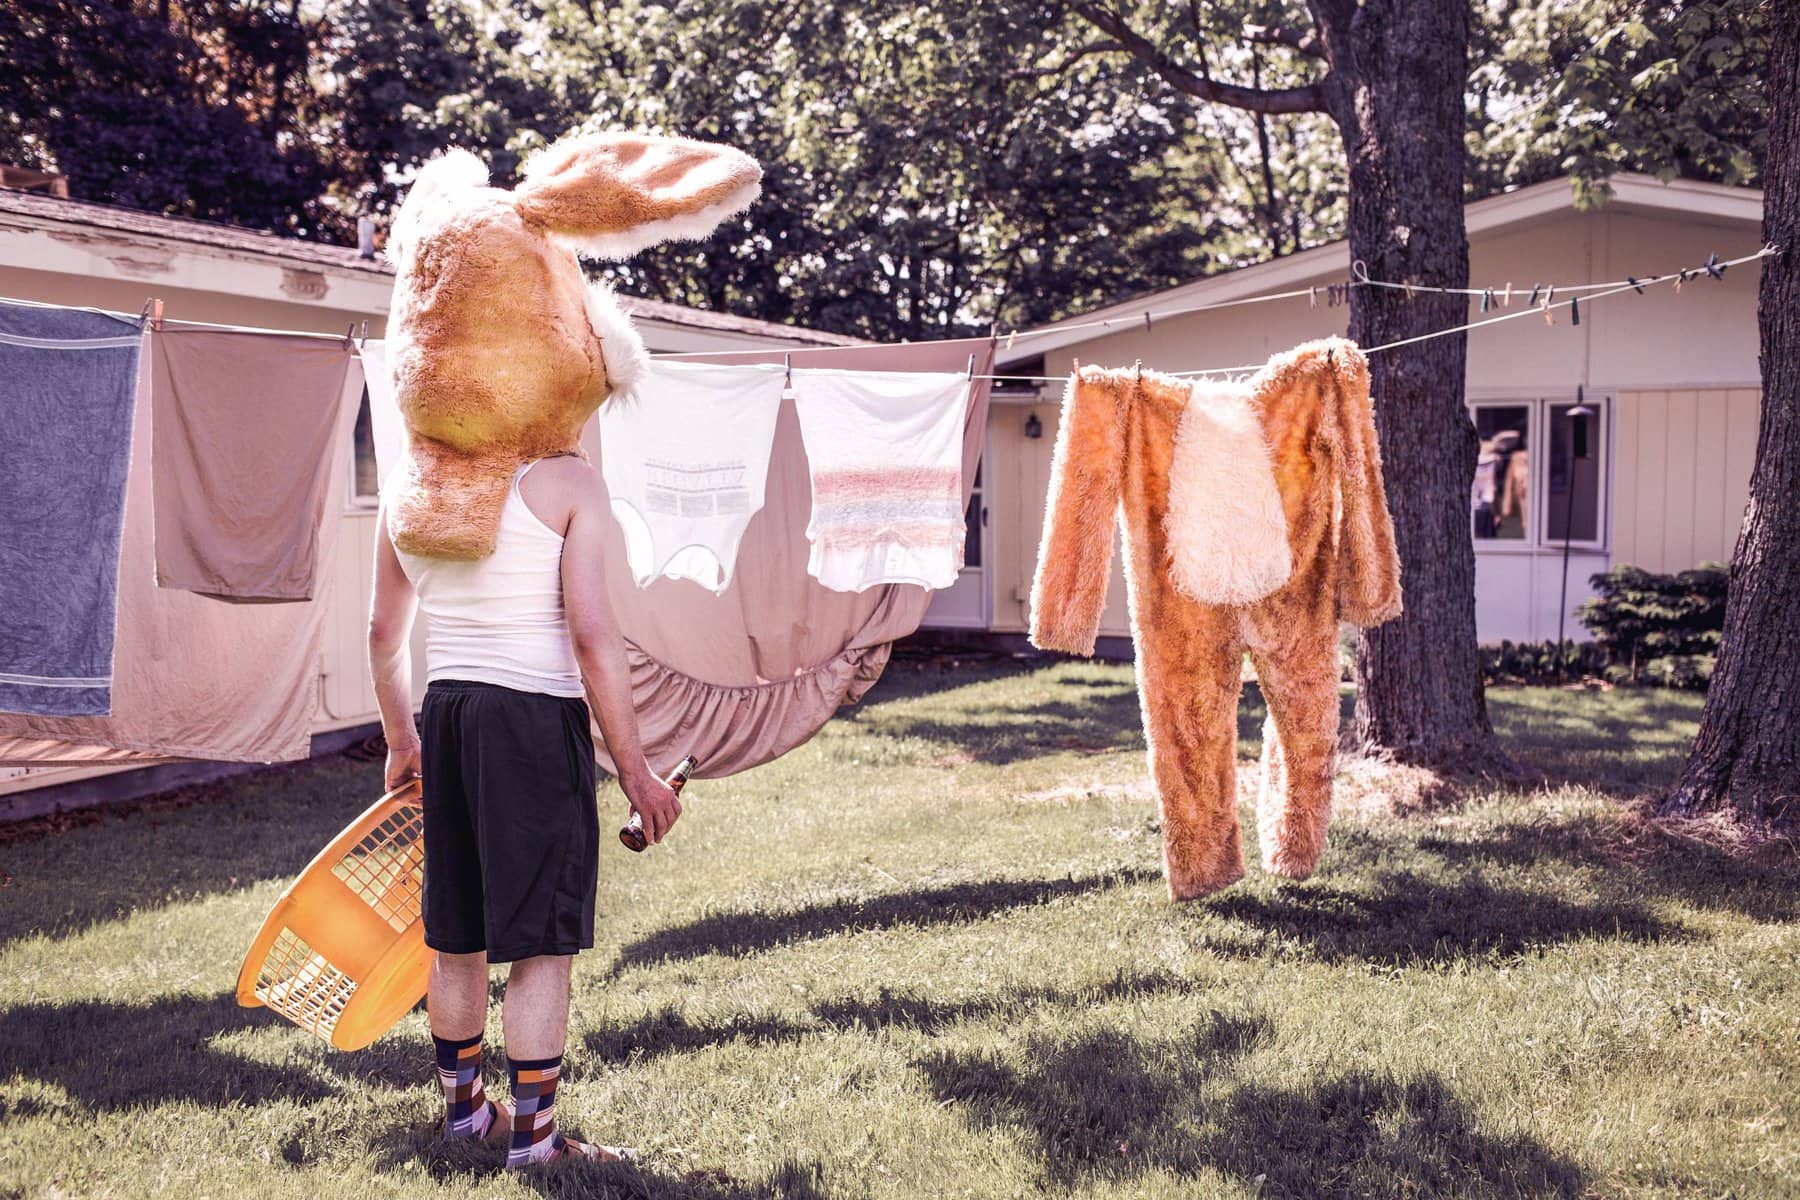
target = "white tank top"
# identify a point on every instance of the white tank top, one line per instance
(500, 619)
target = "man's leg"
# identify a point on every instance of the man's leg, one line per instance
(457, 1006)
(535, 1018)
(452, 903)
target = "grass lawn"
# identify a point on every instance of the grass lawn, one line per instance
(929, 954)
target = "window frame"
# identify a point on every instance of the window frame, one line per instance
(1537, 539)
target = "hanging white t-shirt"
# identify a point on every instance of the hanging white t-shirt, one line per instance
(885, 453)
(686, 457)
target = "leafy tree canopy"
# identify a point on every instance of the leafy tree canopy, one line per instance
(932, 169)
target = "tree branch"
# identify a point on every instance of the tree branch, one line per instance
(1068, 61)
(1303, 42)
(1306, 98)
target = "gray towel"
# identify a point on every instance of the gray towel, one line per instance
(68, 379)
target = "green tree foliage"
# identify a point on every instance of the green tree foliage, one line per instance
(933, 169)
(1586, 88)
(927, 176)
(199, 108)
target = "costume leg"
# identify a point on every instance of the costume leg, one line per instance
(1188, 678)
(1294, 648)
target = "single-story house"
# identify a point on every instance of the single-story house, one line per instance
(61, 251)
(1661, 482)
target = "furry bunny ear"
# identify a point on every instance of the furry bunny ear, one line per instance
(610, 195)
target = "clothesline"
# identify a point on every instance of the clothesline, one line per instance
(1542, 299)
(1544, 307)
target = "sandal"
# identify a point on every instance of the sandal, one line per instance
(566, 1147)
(499, 1127)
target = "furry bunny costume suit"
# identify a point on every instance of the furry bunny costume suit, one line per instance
(1254, 517)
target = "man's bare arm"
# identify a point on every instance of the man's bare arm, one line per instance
(391, 609)
(600, 652)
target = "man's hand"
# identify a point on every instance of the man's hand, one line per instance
(403, 763)
(653, 800)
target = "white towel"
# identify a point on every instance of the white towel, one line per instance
(885, 454)
(686, 457)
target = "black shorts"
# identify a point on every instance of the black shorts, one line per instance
(512, 831)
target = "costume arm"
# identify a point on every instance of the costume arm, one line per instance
(605, 675)
(392, 606)
(1368, 564)
(1075, 556)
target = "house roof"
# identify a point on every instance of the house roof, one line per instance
(1710, 203)
(214, 237)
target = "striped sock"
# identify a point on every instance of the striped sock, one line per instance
(466, 1111)
(534, 1136)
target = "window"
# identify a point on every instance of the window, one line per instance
(365, 491)
(1500, 500)
(1572, 495)
(1539, 474)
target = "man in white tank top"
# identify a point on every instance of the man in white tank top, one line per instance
(515, 643)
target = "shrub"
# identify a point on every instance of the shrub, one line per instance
(1541, 662)
(1661, 629)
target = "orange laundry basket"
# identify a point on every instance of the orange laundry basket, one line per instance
(343, 954)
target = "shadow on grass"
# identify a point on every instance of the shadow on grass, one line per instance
(748, 931)
(1100, 722)
(1409, 919)
(470, 1166)
(1103, 1106)
(668, 1030)
(1102, 716)
(201, 841)
(1637, 857)
(1621, 743)
(113, 1056)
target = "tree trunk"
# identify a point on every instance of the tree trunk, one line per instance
(1396, 93)
(1747, 756)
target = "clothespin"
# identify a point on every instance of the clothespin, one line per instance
(1146, 320)
(350, 336)
(971, 366)
(1312, 296)
(1574, 310)
(1012, 336)
(1549, 312)
(1137, 372)
(1680, 278)
(1532, 302)
(152, 315)
(1635, 285)
(1507, 302)
(363, 337)
(1714, 267)
(1409, 288)
(1487, 299)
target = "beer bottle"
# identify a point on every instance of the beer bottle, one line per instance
(632, 833)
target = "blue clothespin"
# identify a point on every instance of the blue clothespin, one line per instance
(1487, 299)
(1714, 267)
(1574, 310)
(1535, 289)
(1632, 280)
